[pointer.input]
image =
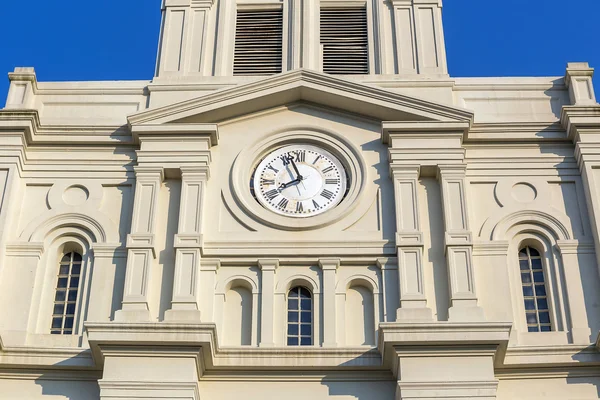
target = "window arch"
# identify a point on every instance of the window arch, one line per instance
(66, 294)
(300, 320)
(535, 294)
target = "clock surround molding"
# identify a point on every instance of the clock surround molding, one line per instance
(335, 143)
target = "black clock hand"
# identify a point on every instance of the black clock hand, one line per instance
(299, 177)
(284, 185)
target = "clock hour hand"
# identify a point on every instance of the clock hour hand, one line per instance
(285, 185)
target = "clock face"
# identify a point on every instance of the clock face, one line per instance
(299, 181)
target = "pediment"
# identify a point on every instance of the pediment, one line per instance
(301, 86)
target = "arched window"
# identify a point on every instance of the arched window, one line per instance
(537, 312)
(299, 332)
(65, 299)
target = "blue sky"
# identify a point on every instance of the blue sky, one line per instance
(117, 39)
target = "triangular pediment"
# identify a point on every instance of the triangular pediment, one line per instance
(302, 86)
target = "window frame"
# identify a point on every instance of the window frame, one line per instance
(285, 32)
(75, 258)
(300, 310)
(531, 272)
(533, 236)
(371, 44)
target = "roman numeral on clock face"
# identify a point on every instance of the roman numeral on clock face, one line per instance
(267, 181)
(332, 181)
(299, 207)
(283, 203)
(272, 168)
(327, 194)
(315, 204)
(328, 169)
(271, 194)
(300, 156)
(317, 159)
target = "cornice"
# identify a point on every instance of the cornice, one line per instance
(28, 122)
(295, 85)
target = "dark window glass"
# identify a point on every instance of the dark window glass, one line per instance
(536, 301)
(299, 330)
(65, 301)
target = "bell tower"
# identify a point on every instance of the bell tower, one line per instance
(202, 38)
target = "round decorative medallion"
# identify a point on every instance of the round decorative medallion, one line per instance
(299, 181)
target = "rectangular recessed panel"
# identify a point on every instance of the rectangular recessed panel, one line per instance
(344, 38)
(258, 42)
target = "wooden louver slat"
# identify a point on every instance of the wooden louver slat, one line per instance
(344, 37)
(258, 42)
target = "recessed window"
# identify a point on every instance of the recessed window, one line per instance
(537, 310)
(299, 332)
(65, 299)
(345, 40)
(258, 42)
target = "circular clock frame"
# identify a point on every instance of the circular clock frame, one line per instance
(299, 181)
(248, 160)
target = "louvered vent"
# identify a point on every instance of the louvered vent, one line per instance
(258, 42)
(344, 38)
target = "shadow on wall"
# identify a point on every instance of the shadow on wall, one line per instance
(62, 384)
(577, 378)
(361, 388)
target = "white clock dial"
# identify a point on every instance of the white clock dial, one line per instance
(299, 181)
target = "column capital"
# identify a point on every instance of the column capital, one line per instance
(449, 171)
(210, 264)
(25, 249)
(268, 264)
(328, 264)
(143, 172)
(199, 173)
(405, 171)
(107, 250)
(384, 263)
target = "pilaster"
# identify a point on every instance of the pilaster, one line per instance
(570, 251)
(329, 268)
(106, 259)
(188, 243)
(185, 48)
(458, 244)
(22, 262)
(267, 301)
(444, 360)
(409, 244)
(581, 120)
(141, 245)
(419, 37)
(23, 85)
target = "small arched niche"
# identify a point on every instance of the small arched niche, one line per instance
(360, 315)
(237, 322)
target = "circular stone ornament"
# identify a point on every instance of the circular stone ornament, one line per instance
(252, 180)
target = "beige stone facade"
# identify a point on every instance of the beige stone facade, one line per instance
(136, 262)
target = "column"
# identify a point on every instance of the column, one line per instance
(21, 269)
(329, 267)
(409, 244)
(106, 258)
(141, 245)
(458, 245)
(188, 242)
(311, 39)
(267, 299)
(571, 251)
(581, 120)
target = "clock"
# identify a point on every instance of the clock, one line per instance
(299, 181)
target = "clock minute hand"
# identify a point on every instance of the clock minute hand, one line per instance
(298, 176)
